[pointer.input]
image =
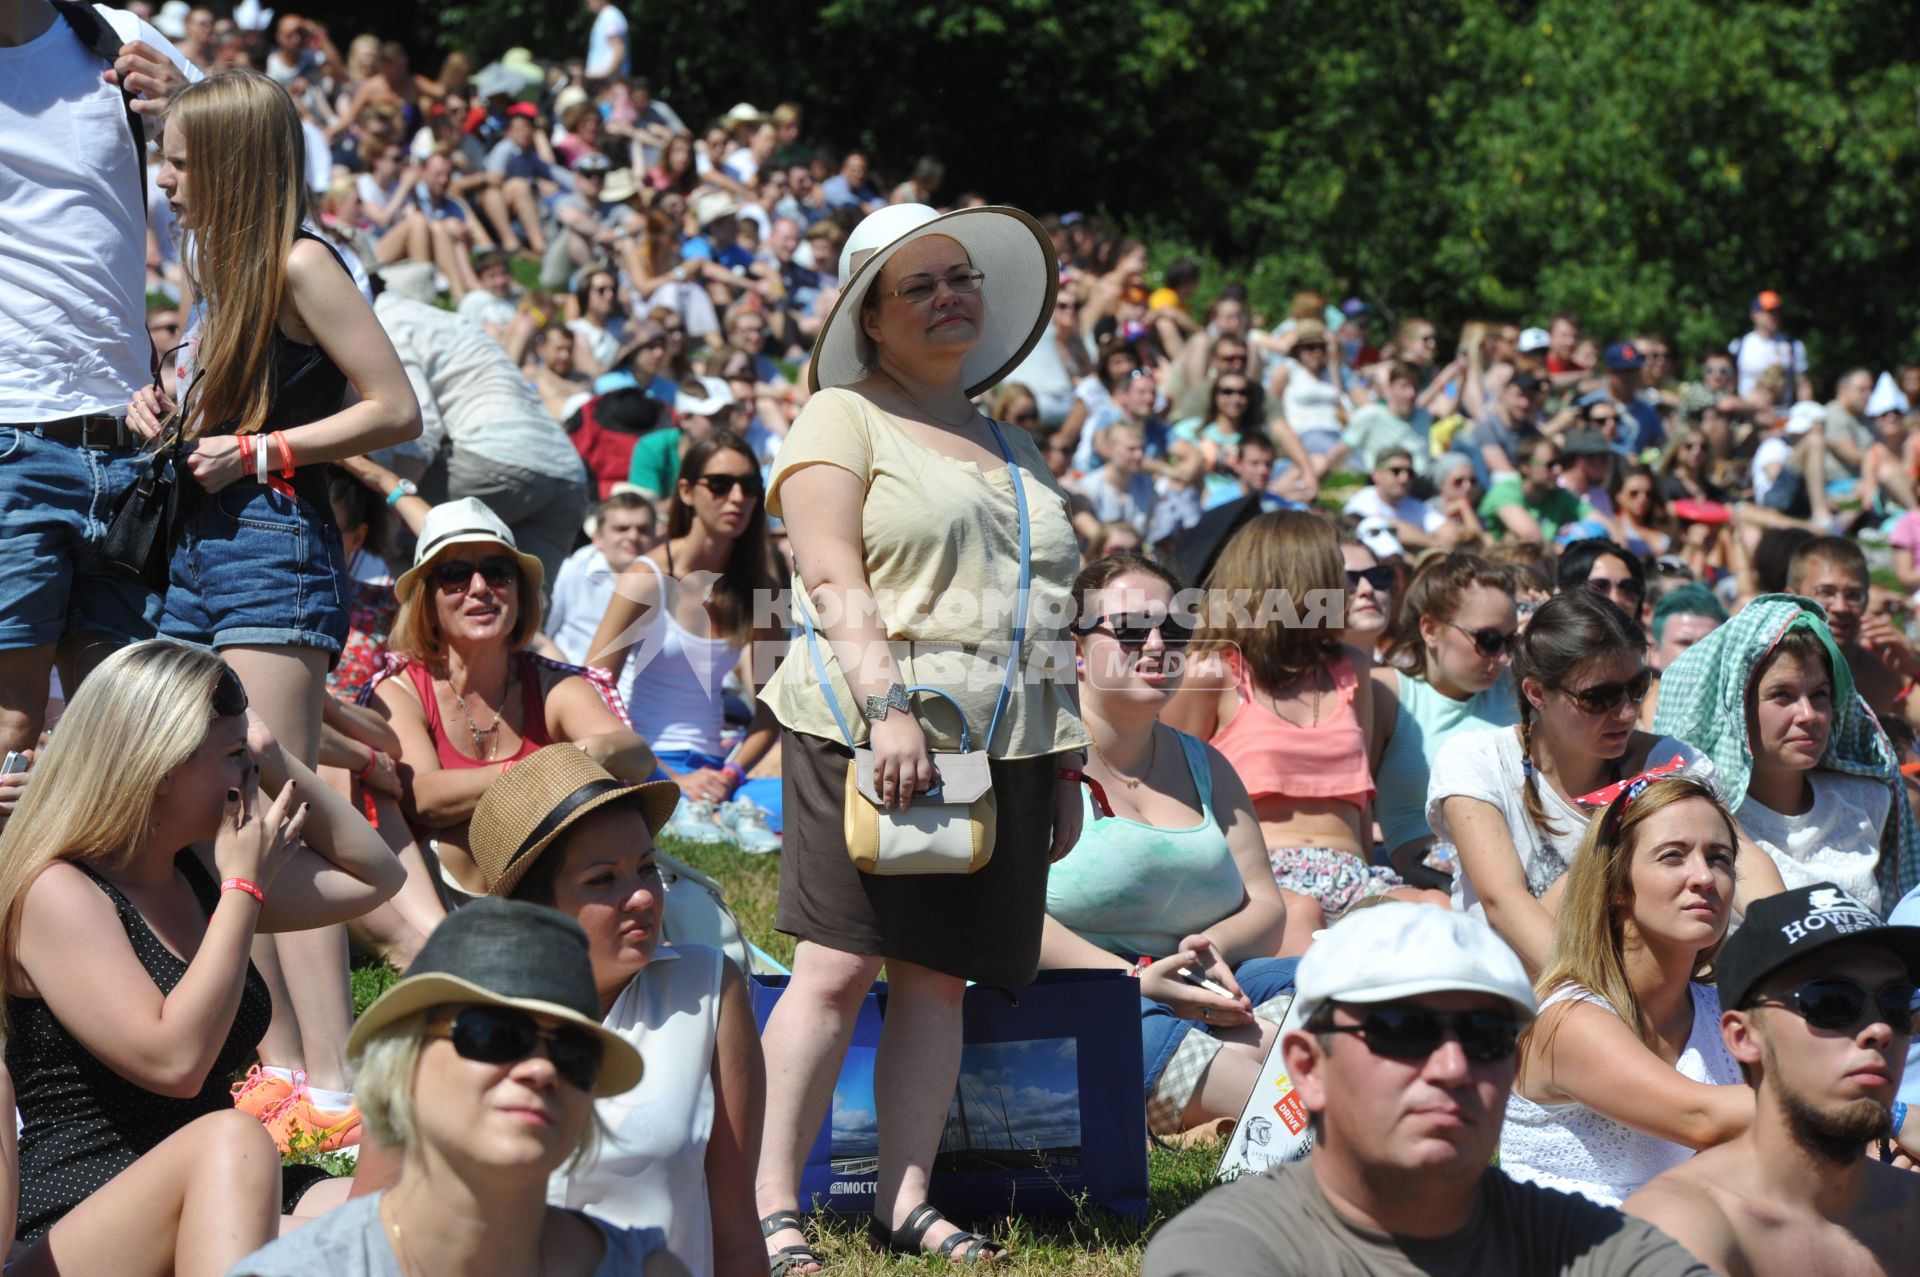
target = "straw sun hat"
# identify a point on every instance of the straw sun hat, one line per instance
(508, 954)
(539, 799)
(1004, 244)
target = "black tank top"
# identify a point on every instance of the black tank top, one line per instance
(84, 1122)
(306, 385)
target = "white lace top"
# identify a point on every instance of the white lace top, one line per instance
(1576, 1150)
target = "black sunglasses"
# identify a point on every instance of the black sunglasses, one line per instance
(229, 694)
(1625, 588)
(455, 574)
(1605, 698)
(722, 485)
(503, 1035)
(1490, 642)
(1412, 1034)
(1835, 1004)
(1133, 631)
(1381, 579)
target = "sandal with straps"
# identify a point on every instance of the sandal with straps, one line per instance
(910, 1238)
(787, 1258)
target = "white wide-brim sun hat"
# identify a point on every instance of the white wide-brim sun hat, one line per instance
(1004, 244)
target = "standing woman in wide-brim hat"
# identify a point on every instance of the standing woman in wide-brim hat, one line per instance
(901, 506)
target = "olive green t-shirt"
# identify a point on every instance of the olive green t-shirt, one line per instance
(1279, 1224)
(942, 546)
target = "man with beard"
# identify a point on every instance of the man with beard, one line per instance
(1817, 994)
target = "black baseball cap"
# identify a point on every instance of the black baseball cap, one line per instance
(1779, 930)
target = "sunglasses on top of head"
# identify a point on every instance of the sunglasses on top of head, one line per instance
(1835, 1004)
(454, 575)
(504, 1035)
(1412, 1033)
(1606, 698)
(722, 485)
(1131, 630)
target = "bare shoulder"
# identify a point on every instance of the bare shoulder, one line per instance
(60, 902)
(1684, 1204)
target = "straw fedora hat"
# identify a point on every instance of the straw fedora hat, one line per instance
(539, 799)
(510, 954)
(1004, 244)
(467, 521)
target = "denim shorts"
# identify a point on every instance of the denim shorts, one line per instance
(54, 503)
(253, 567)
(1260, 979)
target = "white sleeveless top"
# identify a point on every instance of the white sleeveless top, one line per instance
(1309, 403)
(1576, 1150)
(651, 1170)
(672, 679)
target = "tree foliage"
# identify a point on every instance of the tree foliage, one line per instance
(1649, 164)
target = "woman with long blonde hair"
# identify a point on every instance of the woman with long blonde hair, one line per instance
(163, 820)
(1291, 707)
(257, 569)
(1624, 1074)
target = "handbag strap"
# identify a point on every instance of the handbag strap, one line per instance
(1019, 623)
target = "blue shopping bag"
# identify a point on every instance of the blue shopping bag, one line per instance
(1049, 1110)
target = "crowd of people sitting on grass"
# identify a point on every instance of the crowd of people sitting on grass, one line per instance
(524, 487)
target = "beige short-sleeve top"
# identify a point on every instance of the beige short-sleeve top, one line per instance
(942, 549)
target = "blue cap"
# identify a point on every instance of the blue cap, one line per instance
(1624, 356)
(1581, 530)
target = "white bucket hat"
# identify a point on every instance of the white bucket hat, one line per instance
(1004, 244)
(469, 521)
(718, 394)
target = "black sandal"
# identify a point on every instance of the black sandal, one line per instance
(787, 1257)
(910, 1238)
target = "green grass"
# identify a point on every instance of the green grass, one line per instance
(1091, 1241)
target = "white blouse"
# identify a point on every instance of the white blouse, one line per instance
(651, 1169)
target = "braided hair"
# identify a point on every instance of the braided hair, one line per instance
(1569, 630)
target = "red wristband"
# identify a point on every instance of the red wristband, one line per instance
(245, 443)
(373, 757)
(286, 453)
(241, 884)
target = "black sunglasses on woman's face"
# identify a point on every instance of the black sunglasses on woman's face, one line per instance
(722, 485)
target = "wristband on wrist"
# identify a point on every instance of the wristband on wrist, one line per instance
(241, 884)
(395, 497)
(366, 768)
(735, 774)
(260, 460)
(286, 453)
(245, 444)
(1140, 964)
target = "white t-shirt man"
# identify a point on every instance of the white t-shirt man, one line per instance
(1754, 354)
(608, 24)
(581, 591)
(1368, 503)
(73, 237)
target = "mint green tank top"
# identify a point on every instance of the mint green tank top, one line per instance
(1425, 720)
(1137, 890)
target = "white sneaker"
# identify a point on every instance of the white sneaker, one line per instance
(693, 821)
(748, 821)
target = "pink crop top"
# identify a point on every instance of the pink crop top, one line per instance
(533, 715)
(1278, 759)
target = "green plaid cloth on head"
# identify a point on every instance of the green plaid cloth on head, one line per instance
(1703, 701)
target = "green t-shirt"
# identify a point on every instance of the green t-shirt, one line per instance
(1560, 506)
(656, 462)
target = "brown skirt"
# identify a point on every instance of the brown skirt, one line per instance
(982, 926)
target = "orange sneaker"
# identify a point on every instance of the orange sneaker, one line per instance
(300, 1121)
(261, 1092)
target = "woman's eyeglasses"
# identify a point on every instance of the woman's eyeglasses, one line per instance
(1835, 1004)
(1490, 642)
(503, 1035)
(923, 289)
(722, 485)
(1606, 698)
(1486, 1037)
(1626, 591)
(1130, 630)
(229, 694)
(1380, 578)
(455, 575)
